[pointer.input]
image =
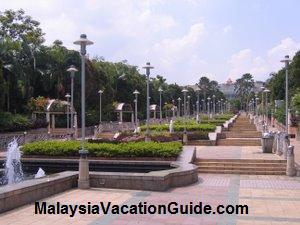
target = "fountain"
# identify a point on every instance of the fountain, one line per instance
(40, 173)
(13, 172)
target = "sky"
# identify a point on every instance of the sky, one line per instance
(182, 39)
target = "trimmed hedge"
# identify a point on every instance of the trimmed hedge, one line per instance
(180, 127)
(131, 149)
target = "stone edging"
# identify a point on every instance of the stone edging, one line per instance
(184, 173)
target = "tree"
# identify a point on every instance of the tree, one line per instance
(243, 88)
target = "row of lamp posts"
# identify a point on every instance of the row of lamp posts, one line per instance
(83, 180)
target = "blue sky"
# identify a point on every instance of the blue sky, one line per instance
(183, 39)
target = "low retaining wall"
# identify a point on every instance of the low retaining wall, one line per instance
(184, 173)
(13, 196)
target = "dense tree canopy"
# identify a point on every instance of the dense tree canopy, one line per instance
(29, 69)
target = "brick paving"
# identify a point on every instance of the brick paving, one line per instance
(270, 200)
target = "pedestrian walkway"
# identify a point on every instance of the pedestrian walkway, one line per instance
(271, 200)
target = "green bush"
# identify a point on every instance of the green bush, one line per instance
(131, 149)
(17, 122)
(180, 128)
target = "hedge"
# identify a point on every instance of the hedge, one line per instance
(131, 149)
(180, 127)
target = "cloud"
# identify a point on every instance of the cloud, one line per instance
(260, 67)
(227, 29)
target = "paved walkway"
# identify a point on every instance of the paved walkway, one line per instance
(272, 200)
(234, 152)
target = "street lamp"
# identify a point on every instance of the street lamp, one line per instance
(184, 91)
(198, 102)
(72, 70)
(266, 105)
(262, 103)
(68, 96)
(188, 106)
(160, 90)
(136, 93)
(100, 92)
(148, 67)
(256, 109)
(214, 104)
(83, 180)
(208, 106)
(179, 99)
(286, 61)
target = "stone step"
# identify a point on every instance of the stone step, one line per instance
(201, 160)
(245, 168)
(239, 142)
(239, 164)
(242, 134)
(246, 172)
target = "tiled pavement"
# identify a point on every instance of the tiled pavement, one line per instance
(234, 152)
(271, 200)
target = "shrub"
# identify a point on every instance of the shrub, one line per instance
(131, 149)
(180, 127)
(17, 122)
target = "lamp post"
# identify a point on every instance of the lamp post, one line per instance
(262, 104)
(208, 106)
(184, 91)
(83, 180)
(179, 99)
(222, 105)
(266, 105)
(188, 106)
(72, 70)
(214, 104)
(160, 90)
(256, 109)
(136, 93)
(286, 62)
(100, 92)
(198, 102)
(68, 96)
(148, 67)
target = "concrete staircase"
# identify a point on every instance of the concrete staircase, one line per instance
(242, 133)
(242, 166)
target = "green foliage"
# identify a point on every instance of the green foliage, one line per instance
(17, 122)
(243, 88)
(276, 82)
(180, 127)
(296, 102)
(132, 149)
(279, 114)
